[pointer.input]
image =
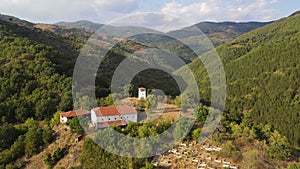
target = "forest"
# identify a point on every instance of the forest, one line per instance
(262, 108)
(261, 70)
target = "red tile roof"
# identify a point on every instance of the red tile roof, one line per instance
(74, 113)
(114, 110)
(110, 123)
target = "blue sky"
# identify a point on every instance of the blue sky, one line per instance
(104, 11)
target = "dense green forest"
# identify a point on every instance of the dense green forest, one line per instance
(262, 70)
(34, 73)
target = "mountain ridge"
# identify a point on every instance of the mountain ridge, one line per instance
(261, 67)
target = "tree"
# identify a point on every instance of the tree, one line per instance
(47, 135)
(128, 90)
(177, 101)
(294, 166)
(55, 120)
(5, 157)
(279, 147)
(253, 159)
(33, 140)
(44, 108)
(8, 134)
(59, 153)
(84, 102)
(48, 160)
(141, 104)
(182, 129)
(201, 114)
(109, 101)
(75, 126)
(196, 133)
(18, 147)
(151, 102)
(66, 103)
(29, 123)
(230, 150)
(148, 166)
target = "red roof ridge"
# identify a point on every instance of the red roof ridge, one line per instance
(74, 113)
(114, 110)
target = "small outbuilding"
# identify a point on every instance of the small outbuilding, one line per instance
(65, 116)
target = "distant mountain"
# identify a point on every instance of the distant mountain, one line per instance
(262, 70)
(83, 24)
(66, 31)
(217, 32)
(228, 29)
(116, 31)
(15, 20)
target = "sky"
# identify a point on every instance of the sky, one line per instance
(106, 11)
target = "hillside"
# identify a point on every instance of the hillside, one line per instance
(217, 32)
(262, 70)
(86, 25)
(63, 139)
(66, 31)
(34, 62)
(231, 29)
(15, 20)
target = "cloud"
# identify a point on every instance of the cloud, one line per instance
(222, 10)
(105, 11)
(56, 10)
(118, 6)
(201, 10)
(157, 21)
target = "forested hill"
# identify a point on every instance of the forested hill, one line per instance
(218, 32)
(262, 70)
(35, 66)
(83, 24)
(15, 20)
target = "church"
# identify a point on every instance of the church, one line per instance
(103, 117)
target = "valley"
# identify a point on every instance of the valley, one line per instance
(258, 129)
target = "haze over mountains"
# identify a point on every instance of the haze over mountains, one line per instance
(261, 62)
(218, 31)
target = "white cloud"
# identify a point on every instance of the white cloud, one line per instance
(105, 11)
(119, 6)
(222, 10)
(156, 21)
(191, 12)
(56, 10)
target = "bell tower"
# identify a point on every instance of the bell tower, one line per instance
(142, 93)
